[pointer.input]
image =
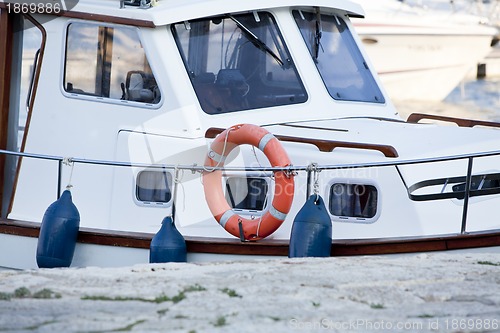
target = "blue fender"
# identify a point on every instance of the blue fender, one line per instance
(58, 233)
(311, 234)
(167, 245)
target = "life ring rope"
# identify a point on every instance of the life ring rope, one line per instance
(272, 217)
(219, 158)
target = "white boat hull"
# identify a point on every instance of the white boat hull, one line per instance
(130, 129)
(100, 252)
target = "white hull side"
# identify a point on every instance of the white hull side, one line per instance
(93, 255)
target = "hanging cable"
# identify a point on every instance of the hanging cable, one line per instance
(68, 161)
(316, 172)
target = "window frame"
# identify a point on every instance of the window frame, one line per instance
(157, 204)
(355, 52)
(353, 219)
(250, 213)
(282, 45)
(100, 99)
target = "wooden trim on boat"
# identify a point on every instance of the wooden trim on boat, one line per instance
(108, 19)
(322, 145)
(6, 31)
(462, 122)
(100, 18)
(270, 247)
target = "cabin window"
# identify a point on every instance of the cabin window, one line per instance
(337, 57)
(108, 63)
(353, 201)
(154, 186)
(246, 193)
(238, 62)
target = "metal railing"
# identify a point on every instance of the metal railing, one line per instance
(308, 169)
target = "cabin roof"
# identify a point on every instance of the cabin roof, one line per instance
(171, 11)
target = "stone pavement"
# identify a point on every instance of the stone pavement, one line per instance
(433, 292)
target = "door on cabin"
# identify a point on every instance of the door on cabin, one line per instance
(21, 42)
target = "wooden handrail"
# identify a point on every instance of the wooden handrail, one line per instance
(323, 145)
(462, 122)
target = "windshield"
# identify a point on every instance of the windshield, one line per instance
(337, 57)
(238, 62)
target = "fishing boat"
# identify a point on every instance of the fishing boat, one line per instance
(423, 53)
(248, 129)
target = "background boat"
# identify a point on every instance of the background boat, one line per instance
(422, 53)
(489, 10)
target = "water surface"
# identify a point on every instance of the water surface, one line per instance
(474, 99)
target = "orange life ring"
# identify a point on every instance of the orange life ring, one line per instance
(284, 186)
